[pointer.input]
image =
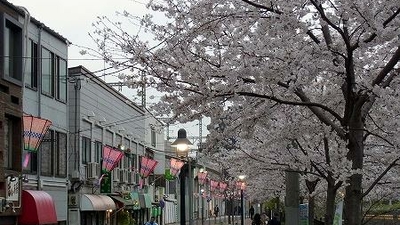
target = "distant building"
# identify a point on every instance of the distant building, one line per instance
(101, 116)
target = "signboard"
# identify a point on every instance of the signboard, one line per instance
(13, 190)
(105, 183)
(303, 210)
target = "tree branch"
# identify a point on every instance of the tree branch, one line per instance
(380, 177)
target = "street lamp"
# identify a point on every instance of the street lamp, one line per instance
(242, 187)
(182, 150)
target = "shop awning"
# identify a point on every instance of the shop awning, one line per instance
(136, 200)
(145, 201)
(96, 203)
(37, 208)
(127, 203)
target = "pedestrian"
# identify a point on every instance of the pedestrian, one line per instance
(152, 221)
(216, 210)
(257, 220)
(251, 212)
(274, 220)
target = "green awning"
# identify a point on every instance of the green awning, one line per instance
(135, 199)
(145, 200)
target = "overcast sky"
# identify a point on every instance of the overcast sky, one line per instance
(73, 20)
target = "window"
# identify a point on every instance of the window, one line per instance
(61, 155)
(31, 66)
(48, 69)
(61, 79)
(46, 154)
(12, 142)
(12, 51)
(32, 163)
(53, 155)
(86, 150)
(153, 138)
(98, 151)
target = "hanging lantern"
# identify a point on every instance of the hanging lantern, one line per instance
(222, 186)
(34, 130)
(111, 158)
(202, 177)
(176, 166)
(147, 166)
(240, 185)
(214, 184)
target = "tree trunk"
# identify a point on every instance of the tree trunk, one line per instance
(311, 200)
(330, 204)
(353, 197)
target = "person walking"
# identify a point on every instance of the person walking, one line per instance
(251, 212)
(216, 210)
(152, 221)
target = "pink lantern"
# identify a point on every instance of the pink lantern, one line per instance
(202, 177)
(176, 166)
(240, 185)
(222, 186)
(34, 130)
(147, 166)
(214, 184)
(111, 158)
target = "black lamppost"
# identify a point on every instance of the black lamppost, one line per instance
(182, 150)
(242, 186)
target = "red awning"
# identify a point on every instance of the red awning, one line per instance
(37, 208)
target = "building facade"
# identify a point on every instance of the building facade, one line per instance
(101, 116)
(34, 60)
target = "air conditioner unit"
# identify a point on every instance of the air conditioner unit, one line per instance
(123, 176)
(130, 178)
(116, 174)
(92, 170)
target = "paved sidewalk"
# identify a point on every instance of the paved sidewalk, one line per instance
(221, 220)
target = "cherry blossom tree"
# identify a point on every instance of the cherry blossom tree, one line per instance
(325, 70)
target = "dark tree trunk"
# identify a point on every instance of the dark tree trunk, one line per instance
(311, 200)
(353, 196)
(330, 204)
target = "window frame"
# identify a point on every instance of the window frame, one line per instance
(31, 79)
(60, 171)
(52, 74)
(86, 150)
(61, 89)
(8, 21)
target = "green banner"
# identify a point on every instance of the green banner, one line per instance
(105, 183)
